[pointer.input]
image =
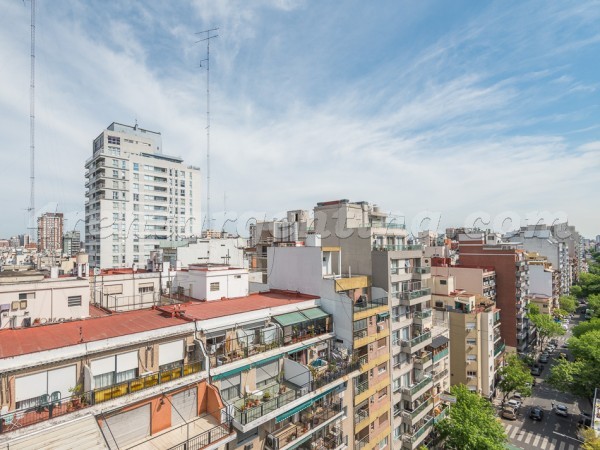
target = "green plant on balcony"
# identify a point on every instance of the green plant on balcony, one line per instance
(266, 396)
(78, 400)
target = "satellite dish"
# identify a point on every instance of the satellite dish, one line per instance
(96, 271)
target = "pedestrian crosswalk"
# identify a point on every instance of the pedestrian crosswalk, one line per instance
(528, 439)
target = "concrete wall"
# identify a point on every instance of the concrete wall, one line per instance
(295, 269)
(540, 280)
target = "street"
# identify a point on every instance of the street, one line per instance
(553, 432)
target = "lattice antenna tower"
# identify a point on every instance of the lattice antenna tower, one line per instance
(31, 209)
(209, 35)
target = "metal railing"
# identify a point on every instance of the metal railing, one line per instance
(423, 359)
(362, 443)
(246, 414)
(205, 439)
(361, 415)
(370, 304)
(419, 409)
(361, 387)
(438, 376)
(412, 438)
(416, 341)
(416, 387)
(499, 349)
(48, 408)
(411, 295)
(422, 270)
(424, 314)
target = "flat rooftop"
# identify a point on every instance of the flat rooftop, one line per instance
(49, 337)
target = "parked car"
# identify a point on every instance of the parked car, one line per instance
(544, 358)
(561, 410)
(513, 403)
(536, 371)
(536, 413)
(509, 413)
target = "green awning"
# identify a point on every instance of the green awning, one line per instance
(323, 394)
(288, 319)
(220, 376)
(382, 316)
(299, 349)
(293, 411)
(315, 313)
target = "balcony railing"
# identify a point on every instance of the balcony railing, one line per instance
(499, 349)
(246, 412)
(361, 415)
(370, 304)
(419, 409)
(362, 443)
(361, 387)
(416, 341)
(423, 359)
(412, 438)
(440, 355)
(401, 248)
(406, 297)
(206, 438)
(439, 375)
(400, 226)
(425, 314)
(422, 270)
(48, 408)
(416, 387)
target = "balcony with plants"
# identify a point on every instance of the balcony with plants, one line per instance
(413, 439)
(421, 339)
(415, 411)
(417, 388)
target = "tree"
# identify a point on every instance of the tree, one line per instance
(560, 313)
(576, 291)
(585, 327)
(471, 423)
(591, 441)
(568, 303)
(514, 377)
(582, 376)
(533, 310)
(547, 328)
(594, 304)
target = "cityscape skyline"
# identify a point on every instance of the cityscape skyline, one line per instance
(472, 99)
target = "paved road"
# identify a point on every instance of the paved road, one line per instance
(553, 432)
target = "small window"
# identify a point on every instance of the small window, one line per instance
(144, 289)
(23, 304)
(14, 306)
(381, 343)
(26, 295)
(382, 368)
(214, 286)
(471, 341)
(443, 282)
(382, 393)
(74, 301)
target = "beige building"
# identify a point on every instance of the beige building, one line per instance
(476, 347)
(50, 232)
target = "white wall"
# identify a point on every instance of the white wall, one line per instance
(213, 251)
(49, 302)
(295, 269)
(196, 283)
(540, 280)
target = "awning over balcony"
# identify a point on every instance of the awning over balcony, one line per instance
(382, 316)
(220, 376)
(298, 317)
(438, 341)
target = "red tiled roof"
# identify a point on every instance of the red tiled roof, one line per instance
(48, 337)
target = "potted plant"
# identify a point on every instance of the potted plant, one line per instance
(266, 396)
(77, 397)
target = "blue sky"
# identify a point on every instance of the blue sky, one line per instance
(448, 110)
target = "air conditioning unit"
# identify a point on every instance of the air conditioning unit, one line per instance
(191, 348)
(379, 327)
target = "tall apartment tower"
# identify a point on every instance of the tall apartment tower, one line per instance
(376, 244)
(71, 243)
(50, 231)
(137, 197)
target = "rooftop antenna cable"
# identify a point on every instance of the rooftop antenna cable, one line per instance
(31, 209)
(208, 37)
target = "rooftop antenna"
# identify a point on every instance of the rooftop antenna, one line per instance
(31, 208)
(208, 37)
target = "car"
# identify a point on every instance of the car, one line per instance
(544, 358)
(513, 403)
(509, 413)
(585, 420)
(561, 410)
(536, 413)
(565, 327)
(536, 371)
(533, 383)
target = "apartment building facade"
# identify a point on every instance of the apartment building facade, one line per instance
(71, 243)
(512, 283)
(50, 232)
(375, 243)
(137, 197)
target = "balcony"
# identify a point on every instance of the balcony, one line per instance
(414, 391)
(48, 409)
(412, 441)
(365, 305)
(197, 434)
(280, 395)
(413, 298)
(441, 414)
(499, 348)
(417, 343)
(328, 440)
(361, 387)
(441, 354)
(439, 375)
(420, 316)
(422, 270)
(391, 225)
(412, 417)
(423, 361)
(310, 418)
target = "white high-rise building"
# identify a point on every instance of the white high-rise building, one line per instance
(137, 197)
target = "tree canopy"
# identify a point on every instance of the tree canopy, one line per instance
(514, 377)
(582, 375)
(471, 423)
(584, 327)
(591, 441)
(547, 328)
(568, 303)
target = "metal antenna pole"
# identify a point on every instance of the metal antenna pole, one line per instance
(207, 59)
(32, 223)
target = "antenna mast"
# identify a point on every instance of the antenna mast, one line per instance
(31, 208)
(208, 37)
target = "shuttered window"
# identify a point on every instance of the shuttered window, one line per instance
(267, 374)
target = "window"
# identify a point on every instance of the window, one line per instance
(471, 373)
(443, 282)
(381, 343)
(383, 443)
(144, 289)
(382, 393)
(136, 167)
(26, 295)
(136, 197)
(115, 174)
(114, 140)
(382, 368)
(471, 341)
(471, 357)
(214, 286)
(74, 301)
